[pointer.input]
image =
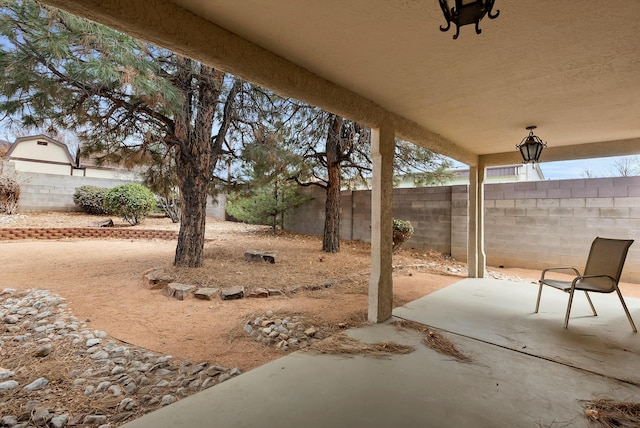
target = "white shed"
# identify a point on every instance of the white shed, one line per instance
(41, 154)
(44, 155)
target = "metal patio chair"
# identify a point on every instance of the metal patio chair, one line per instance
(601, 275)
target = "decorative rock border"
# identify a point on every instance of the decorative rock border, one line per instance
(158, 279)
(285, 333)
(130, 381)
(20, 233)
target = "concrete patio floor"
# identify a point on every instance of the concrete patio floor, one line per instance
(526, 369)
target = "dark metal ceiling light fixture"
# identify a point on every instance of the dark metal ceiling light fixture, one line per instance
(465, 12)
(531, 147)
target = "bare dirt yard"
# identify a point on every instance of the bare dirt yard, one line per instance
(102, 282)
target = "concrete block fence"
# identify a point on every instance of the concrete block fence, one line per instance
(52, 192)
(527, 224)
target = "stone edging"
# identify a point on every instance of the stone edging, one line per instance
(19, 233)
(121, 381)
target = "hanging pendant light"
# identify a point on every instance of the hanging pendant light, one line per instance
(465, 12)
(531, 147)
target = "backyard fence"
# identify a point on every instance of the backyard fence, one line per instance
(53, 192)
(527, 224)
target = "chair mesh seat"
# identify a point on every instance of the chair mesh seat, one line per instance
(560, 285)
(595, 285)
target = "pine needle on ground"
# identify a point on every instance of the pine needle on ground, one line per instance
(56, 368)
(434, 340)
(342, 344)
(612, 414)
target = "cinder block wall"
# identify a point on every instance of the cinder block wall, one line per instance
(309, 218)
(459, 222)
(216, 207)
(528, 224)
(51, 192)
(429, 211)
(550, 223)
(361, 214)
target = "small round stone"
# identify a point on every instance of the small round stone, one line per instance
(37, 384)
(8, 385)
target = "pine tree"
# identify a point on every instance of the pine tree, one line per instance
(336, 153)
(121, 96)
(268, 193)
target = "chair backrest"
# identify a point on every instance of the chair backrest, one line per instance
(607, 257)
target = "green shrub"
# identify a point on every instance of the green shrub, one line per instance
(91, 199)
(132, 202)
(402, 231)
(266, 205)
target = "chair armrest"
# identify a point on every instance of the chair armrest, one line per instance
(597, 276)
(579, 278)
(559, 269)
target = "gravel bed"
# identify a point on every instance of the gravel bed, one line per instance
(56, 371)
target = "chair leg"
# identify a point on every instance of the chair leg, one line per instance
(626, 311)
(591, 304)
(566, 317)
(538, 302)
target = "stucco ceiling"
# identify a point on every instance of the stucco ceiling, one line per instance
(571, 68)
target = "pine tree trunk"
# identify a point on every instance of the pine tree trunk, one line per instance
(274, 223)
(194, 182)
(331, 236)
(195, 159)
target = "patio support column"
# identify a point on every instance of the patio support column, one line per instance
(381, 283)
(476, 259)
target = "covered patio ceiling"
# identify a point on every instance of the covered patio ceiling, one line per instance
(571, 68)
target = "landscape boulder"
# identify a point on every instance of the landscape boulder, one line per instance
(158, 279)
(103, 223)
(258, 292)
(260, 256)
(231, 293)
(206, 293)
(178, 291)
